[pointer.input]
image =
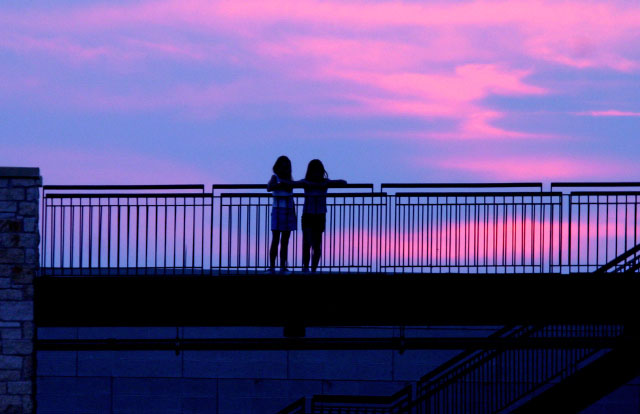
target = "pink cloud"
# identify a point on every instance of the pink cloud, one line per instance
(434, 60)
(610, 112)
(535, 168)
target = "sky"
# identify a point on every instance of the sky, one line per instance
(213, 91)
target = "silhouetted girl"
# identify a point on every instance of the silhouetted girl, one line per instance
(314, 213)
(283, 214)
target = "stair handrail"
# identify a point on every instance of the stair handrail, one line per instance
(617, 260)
(297, 407)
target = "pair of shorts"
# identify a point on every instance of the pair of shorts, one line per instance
(314, 222)
(283, 219)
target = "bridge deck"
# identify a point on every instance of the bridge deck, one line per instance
(335, 299)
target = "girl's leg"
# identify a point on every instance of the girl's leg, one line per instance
(316, 245)
(273, 252)
(284, 247)
(306, 249)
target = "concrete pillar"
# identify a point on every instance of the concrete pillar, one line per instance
(19, 238)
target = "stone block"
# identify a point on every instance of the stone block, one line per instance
(5, 282)
(19, 387)
(10, 225)
(17, 347)
(30, 240)
(10, 240)
(12, 194)
(8, 206)
(30, 224)
(10, 294)
(10, 404)
(28, 329)
(11, 333)
(31, 256)
(27, 367)
(27, 404)
(27, 291)
(9, 375)
(12, 256)
(28, 208)
(24, 182)
(33, 194)
(3, 388)
(10, 362)
(16, 311)
(22, 275)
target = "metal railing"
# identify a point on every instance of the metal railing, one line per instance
(481, 231)
(481, 380)
(492, 380)
(242, 230)
(413, 228)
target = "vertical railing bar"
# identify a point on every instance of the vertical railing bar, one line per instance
(90, 233)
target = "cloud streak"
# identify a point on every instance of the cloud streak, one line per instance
(398, 59)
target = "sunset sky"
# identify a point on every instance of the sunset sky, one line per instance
(199, 91)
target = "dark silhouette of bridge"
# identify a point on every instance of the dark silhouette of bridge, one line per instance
(556, 269)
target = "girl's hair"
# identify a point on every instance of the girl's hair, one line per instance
(282, 167)
(316, 171)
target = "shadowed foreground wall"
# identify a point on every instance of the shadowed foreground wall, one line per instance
(223, 382)
(215, 381)
(19, 240)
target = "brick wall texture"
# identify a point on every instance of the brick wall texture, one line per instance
(19, 240)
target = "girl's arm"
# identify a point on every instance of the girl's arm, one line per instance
(273, 183)
(309, 184)
(276, 183)
(336, 183)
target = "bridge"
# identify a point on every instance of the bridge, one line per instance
(434, 252)
(556, 269)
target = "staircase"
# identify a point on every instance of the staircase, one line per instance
(479, 381)
(518, 379)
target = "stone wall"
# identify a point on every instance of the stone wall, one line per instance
(19, 238)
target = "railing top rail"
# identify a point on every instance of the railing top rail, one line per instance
(215, 187)
(597, 193)
(429, 376)
(461, 185)
(127, 195)
(334, 195)
(480, 194)
(238, 186)
(597, 184)
(125, 187)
